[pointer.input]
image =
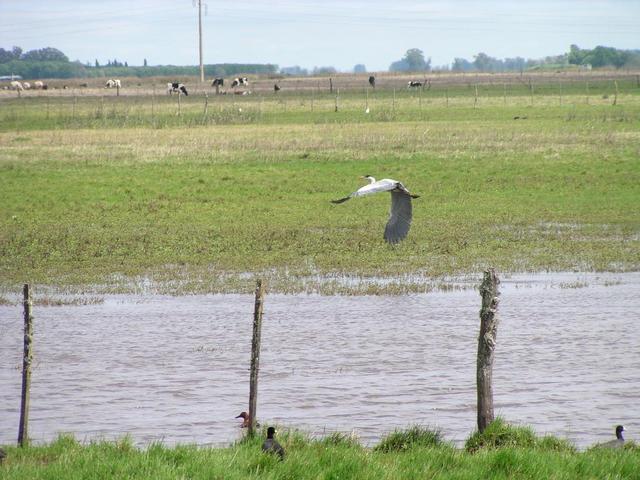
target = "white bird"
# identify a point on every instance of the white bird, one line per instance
(400, 214)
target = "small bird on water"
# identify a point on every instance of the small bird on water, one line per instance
(618, 442)
(401, 211)
(271, 445)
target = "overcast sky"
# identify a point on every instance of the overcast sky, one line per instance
(339, 33)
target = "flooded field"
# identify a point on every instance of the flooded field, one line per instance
(175, 369)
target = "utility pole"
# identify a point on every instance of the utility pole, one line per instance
(200, 37)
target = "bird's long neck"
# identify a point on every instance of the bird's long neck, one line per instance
(371, 180)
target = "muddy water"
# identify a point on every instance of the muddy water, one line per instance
(175, 369)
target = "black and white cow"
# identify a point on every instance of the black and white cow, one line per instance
(243, 81)
(372, 81)
(276, 87)
(413, 84)
(113, 83)
(217, 82)
(175, 87)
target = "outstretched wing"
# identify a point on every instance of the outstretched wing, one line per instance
(399, 218)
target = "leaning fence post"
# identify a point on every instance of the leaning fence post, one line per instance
(23, 431)
(486, 347)
(255, 357)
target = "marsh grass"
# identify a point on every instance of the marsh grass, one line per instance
(197, 205)
(337, 456)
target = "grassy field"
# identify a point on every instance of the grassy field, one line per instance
(98, 193)
(502, 452)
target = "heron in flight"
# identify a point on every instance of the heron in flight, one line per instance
(401, 212)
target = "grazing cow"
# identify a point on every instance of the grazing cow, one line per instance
(372, 81)
(240, 82)
(15, 85)
(38, 85)
(217, 82)
(413, 84)
(113, 83)
(175, 87)
(276, 87)
(84, 85)
(26, 85)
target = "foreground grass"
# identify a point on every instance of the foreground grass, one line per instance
(202, 208)
(416, 453)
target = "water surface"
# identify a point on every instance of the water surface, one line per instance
(175, 369)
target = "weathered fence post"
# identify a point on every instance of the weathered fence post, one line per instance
(179, 104)
(337, 95)
(393, 105)
(615, 99)
(486, 347)
(587, 93)
(23, 431)
(153, 104)
(560, 93)
(255, 356)
(330, 85)
(206, 105)
(475, 100)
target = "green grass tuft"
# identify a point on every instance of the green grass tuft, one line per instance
(415, 436)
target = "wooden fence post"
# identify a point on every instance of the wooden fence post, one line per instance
(23, 431)
(255, 356)
(337, 95)
(475, 100)
(486, 347)
(330, 85)
(615, 99)
(560, 93)
(587, 93)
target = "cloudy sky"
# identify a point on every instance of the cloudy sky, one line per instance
(339, 33)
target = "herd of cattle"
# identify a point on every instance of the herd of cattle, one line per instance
(20, 86)
(181, 89)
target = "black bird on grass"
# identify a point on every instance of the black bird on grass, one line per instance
(271, 445)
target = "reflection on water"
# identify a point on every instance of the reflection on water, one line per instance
(175, 369)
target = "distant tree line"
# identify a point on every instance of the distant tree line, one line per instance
(598, 57)
(414, 61)
(52, 63)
